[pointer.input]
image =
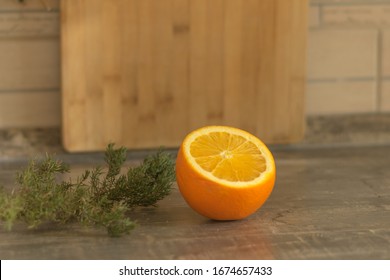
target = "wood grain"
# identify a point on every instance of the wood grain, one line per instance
(30, 109)
(145, 73)
(28, 25)
(326, 204)
(29, 64)
(29, 5)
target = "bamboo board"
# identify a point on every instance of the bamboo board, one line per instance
(143, 73)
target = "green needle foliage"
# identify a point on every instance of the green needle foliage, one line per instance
(99, 197)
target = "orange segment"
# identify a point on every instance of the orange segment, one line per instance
(224, 172)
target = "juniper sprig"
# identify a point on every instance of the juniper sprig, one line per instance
(99, 197)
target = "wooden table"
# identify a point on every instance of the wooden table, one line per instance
(331, 203)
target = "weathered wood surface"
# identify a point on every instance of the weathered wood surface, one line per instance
(327, 204)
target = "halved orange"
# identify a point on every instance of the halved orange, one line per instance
(224, 173)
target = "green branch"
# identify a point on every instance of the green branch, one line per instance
(96, 198)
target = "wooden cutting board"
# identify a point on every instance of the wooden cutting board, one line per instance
(144, 73)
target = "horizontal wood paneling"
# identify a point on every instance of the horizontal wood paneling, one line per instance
(341, 97)
(29, 25)
(30, 64)
(28, 5)
(30, 109)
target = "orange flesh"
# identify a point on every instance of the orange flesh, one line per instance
(229, 157)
